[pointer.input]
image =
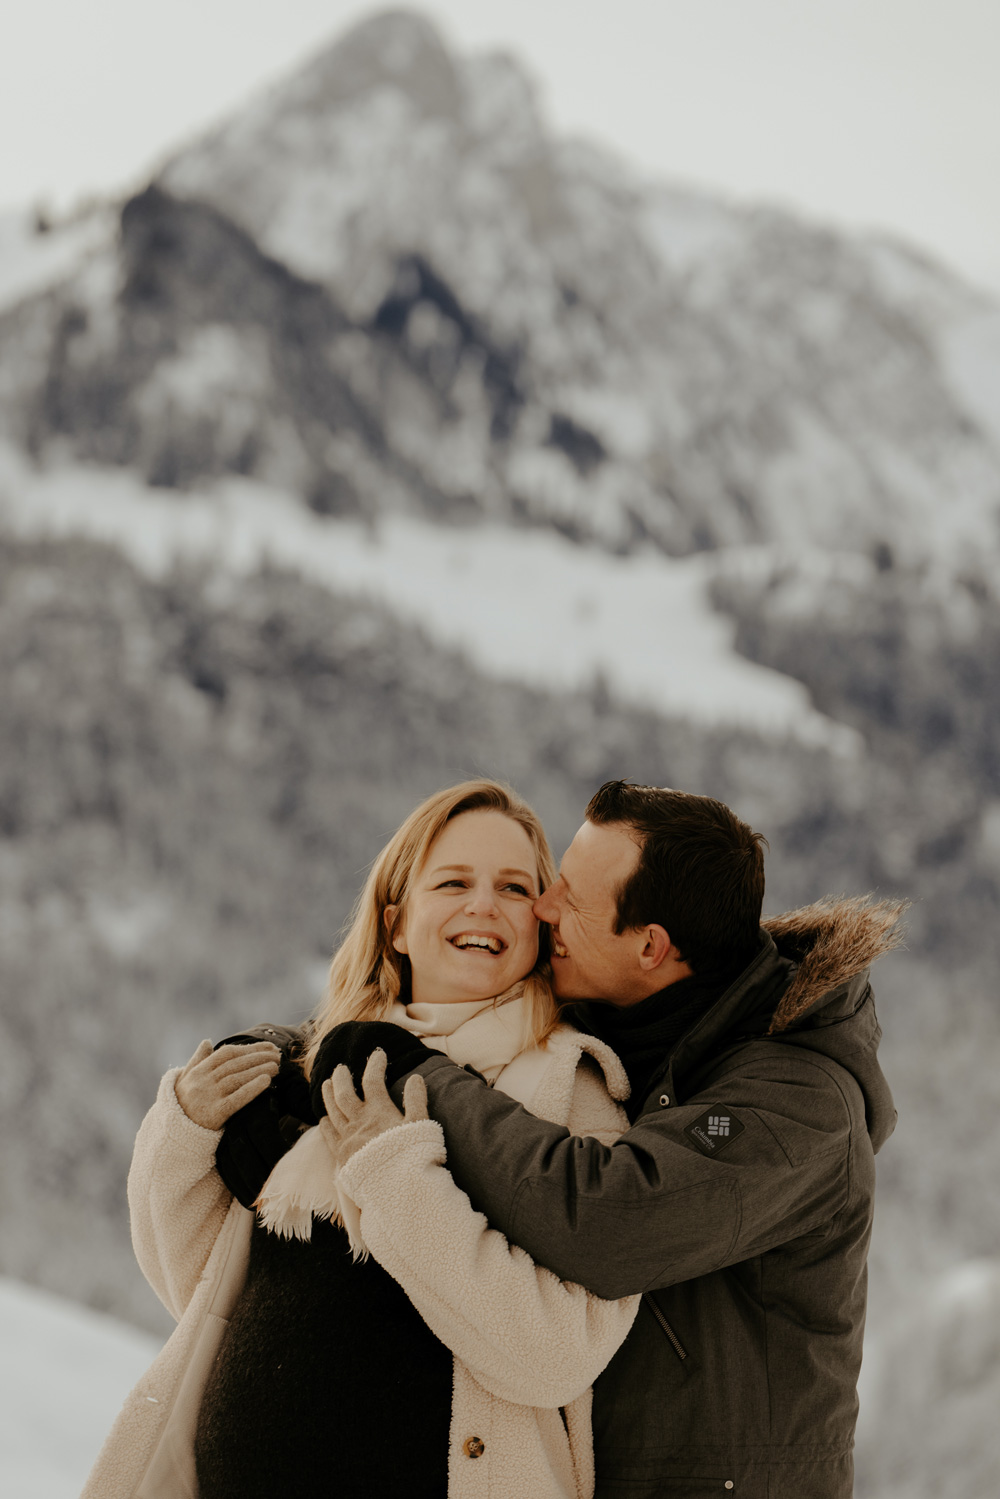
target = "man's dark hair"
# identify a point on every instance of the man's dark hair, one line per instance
(700, 872)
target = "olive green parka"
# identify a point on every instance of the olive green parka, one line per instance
(740, 1202)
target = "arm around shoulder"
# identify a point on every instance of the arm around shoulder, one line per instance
(660, 1205)
(177, 1201)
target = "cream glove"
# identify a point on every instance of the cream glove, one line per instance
(350, 1122)
(214, 1085)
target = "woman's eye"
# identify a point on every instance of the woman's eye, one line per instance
(519, 890)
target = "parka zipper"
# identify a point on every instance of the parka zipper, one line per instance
(675, 1341)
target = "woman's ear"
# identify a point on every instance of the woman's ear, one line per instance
(397, 937)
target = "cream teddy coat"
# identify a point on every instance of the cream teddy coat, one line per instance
(527, 1346)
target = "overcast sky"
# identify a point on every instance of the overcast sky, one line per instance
(869, 112)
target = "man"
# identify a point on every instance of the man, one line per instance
(740, 1200)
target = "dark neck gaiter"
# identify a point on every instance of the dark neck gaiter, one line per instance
(645, 1034)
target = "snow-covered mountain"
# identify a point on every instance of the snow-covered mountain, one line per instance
(661, 365)
(386, 287)
(384, 299)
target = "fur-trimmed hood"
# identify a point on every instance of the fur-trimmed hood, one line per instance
(830, 942)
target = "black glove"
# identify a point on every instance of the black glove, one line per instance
(256, 1137)
(353, 1041)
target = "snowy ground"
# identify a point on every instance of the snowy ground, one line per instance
(65, 1372)
(523, 605)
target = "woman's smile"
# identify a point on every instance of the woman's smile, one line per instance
(482, 942)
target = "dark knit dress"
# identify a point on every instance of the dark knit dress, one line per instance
(328, 1382)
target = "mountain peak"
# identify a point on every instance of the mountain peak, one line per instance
(383, 146)
(398, 48)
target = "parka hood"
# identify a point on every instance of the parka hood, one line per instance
(831, 942)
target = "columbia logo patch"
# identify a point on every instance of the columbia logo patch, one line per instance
(714, 1131)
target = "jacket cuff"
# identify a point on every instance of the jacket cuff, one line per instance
(423, 1139)
(176, 1124)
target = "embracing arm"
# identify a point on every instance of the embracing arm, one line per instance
(654, 1208)
(525, 1335)
(177, 1200)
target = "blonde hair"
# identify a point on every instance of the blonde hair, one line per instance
(367, 973)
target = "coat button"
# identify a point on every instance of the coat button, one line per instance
(664, 1101)
(728, 1484)
(475, 1447)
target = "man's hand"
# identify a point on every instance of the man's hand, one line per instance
(213, 1085)
(350, 1122)
(353, 1042)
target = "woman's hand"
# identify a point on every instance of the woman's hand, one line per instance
(350, 1122)
(215, 1084)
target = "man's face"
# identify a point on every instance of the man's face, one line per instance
(589, 961)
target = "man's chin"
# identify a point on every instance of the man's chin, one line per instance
(563, 985)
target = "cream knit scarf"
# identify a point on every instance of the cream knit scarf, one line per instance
(485, 1034)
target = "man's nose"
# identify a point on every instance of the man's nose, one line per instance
(545, 908)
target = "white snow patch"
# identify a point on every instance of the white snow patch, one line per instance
(689, 228)
(213, 362)
(30, 262)
(65, 1372)
(524, 605)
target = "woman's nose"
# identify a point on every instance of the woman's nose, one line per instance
(482, 899)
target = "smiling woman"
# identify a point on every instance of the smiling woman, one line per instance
(277, 1377)
(445, 916)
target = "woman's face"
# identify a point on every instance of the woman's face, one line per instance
(468, 927)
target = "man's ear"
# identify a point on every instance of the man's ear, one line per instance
(657, 948)
(398, 939)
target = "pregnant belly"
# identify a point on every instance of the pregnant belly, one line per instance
(328, 1381)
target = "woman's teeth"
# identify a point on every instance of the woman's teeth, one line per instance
(485, 944)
